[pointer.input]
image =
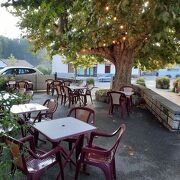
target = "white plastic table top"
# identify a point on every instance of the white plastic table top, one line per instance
(77, 87)
(127, 93)
(27, 108)
(62, 128)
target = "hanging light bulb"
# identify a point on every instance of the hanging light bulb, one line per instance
(114, 42)
(104, 44)
(124, 38)
(121, 26)
(115, 18)
(107, 8)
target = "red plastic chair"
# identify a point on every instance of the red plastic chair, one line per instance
(60, 93)
(48, 85)
(100, 157)
(11, 85)
(43, 116)
(128, 88)
(23, 84)
(117, 99)
(69, 96)
(54, 84)
(33, 162)
(84, 114)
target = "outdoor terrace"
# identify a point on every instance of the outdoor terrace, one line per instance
(147, 151)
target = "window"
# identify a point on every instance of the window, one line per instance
(107, 68)
(70, 68)
(9, 71)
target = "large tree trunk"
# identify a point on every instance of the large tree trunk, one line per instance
(123, 65)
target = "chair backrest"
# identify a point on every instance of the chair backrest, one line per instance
(52, 105)
(59, 90)
(66, 83)
(11, 84)
(66, 90)
(127, 88)
(17, 152)
(83, 113)
(56, 83)
(22, 84)
(21, 90)
(48, 81)
(115, 97)
(120, 132)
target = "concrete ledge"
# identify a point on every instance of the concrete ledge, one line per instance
(167, 112)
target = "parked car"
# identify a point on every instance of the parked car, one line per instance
(19, 70)
(105, 78)
(169, 72)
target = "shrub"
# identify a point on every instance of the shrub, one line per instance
(176, 85)
(141, 81)
(162, 83)
(101, 95)
(90, 81)
(3, 81)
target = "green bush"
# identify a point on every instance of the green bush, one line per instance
(162, 83)
(101, 95)
(176, 85)
(141, 81)
(3, 81)
(90, 81)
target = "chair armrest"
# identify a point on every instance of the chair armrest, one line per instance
(50, 153)
(29, 139)
(100, 134)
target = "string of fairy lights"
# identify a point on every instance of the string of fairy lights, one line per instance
(104, 44)
(121, 27)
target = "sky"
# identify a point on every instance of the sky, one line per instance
(8, 24)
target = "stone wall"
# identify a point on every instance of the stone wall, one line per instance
(166, 111)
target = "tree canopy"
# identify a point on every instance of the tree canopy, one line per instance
(149, 27)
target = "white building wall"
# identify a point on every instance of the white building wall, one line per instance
(112, 69)
(62, 69)
(58, 65)
(100, 69)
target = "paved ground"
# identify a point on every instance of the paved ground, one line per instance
(148, 151)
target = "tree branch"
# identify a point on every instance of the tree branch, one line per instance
(102, 51)
(139, 40)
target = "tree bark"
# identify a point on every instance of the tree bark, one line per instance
(122, 56)
(123, 65)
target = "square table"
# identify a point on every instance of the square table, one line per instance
(27, 108)
(79, 90)
(63, 128)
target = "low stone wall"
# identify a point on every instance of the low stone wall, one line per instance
(166, 111)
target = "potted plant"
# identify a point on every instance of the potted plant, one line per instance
(162, 82)
(90, 81)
